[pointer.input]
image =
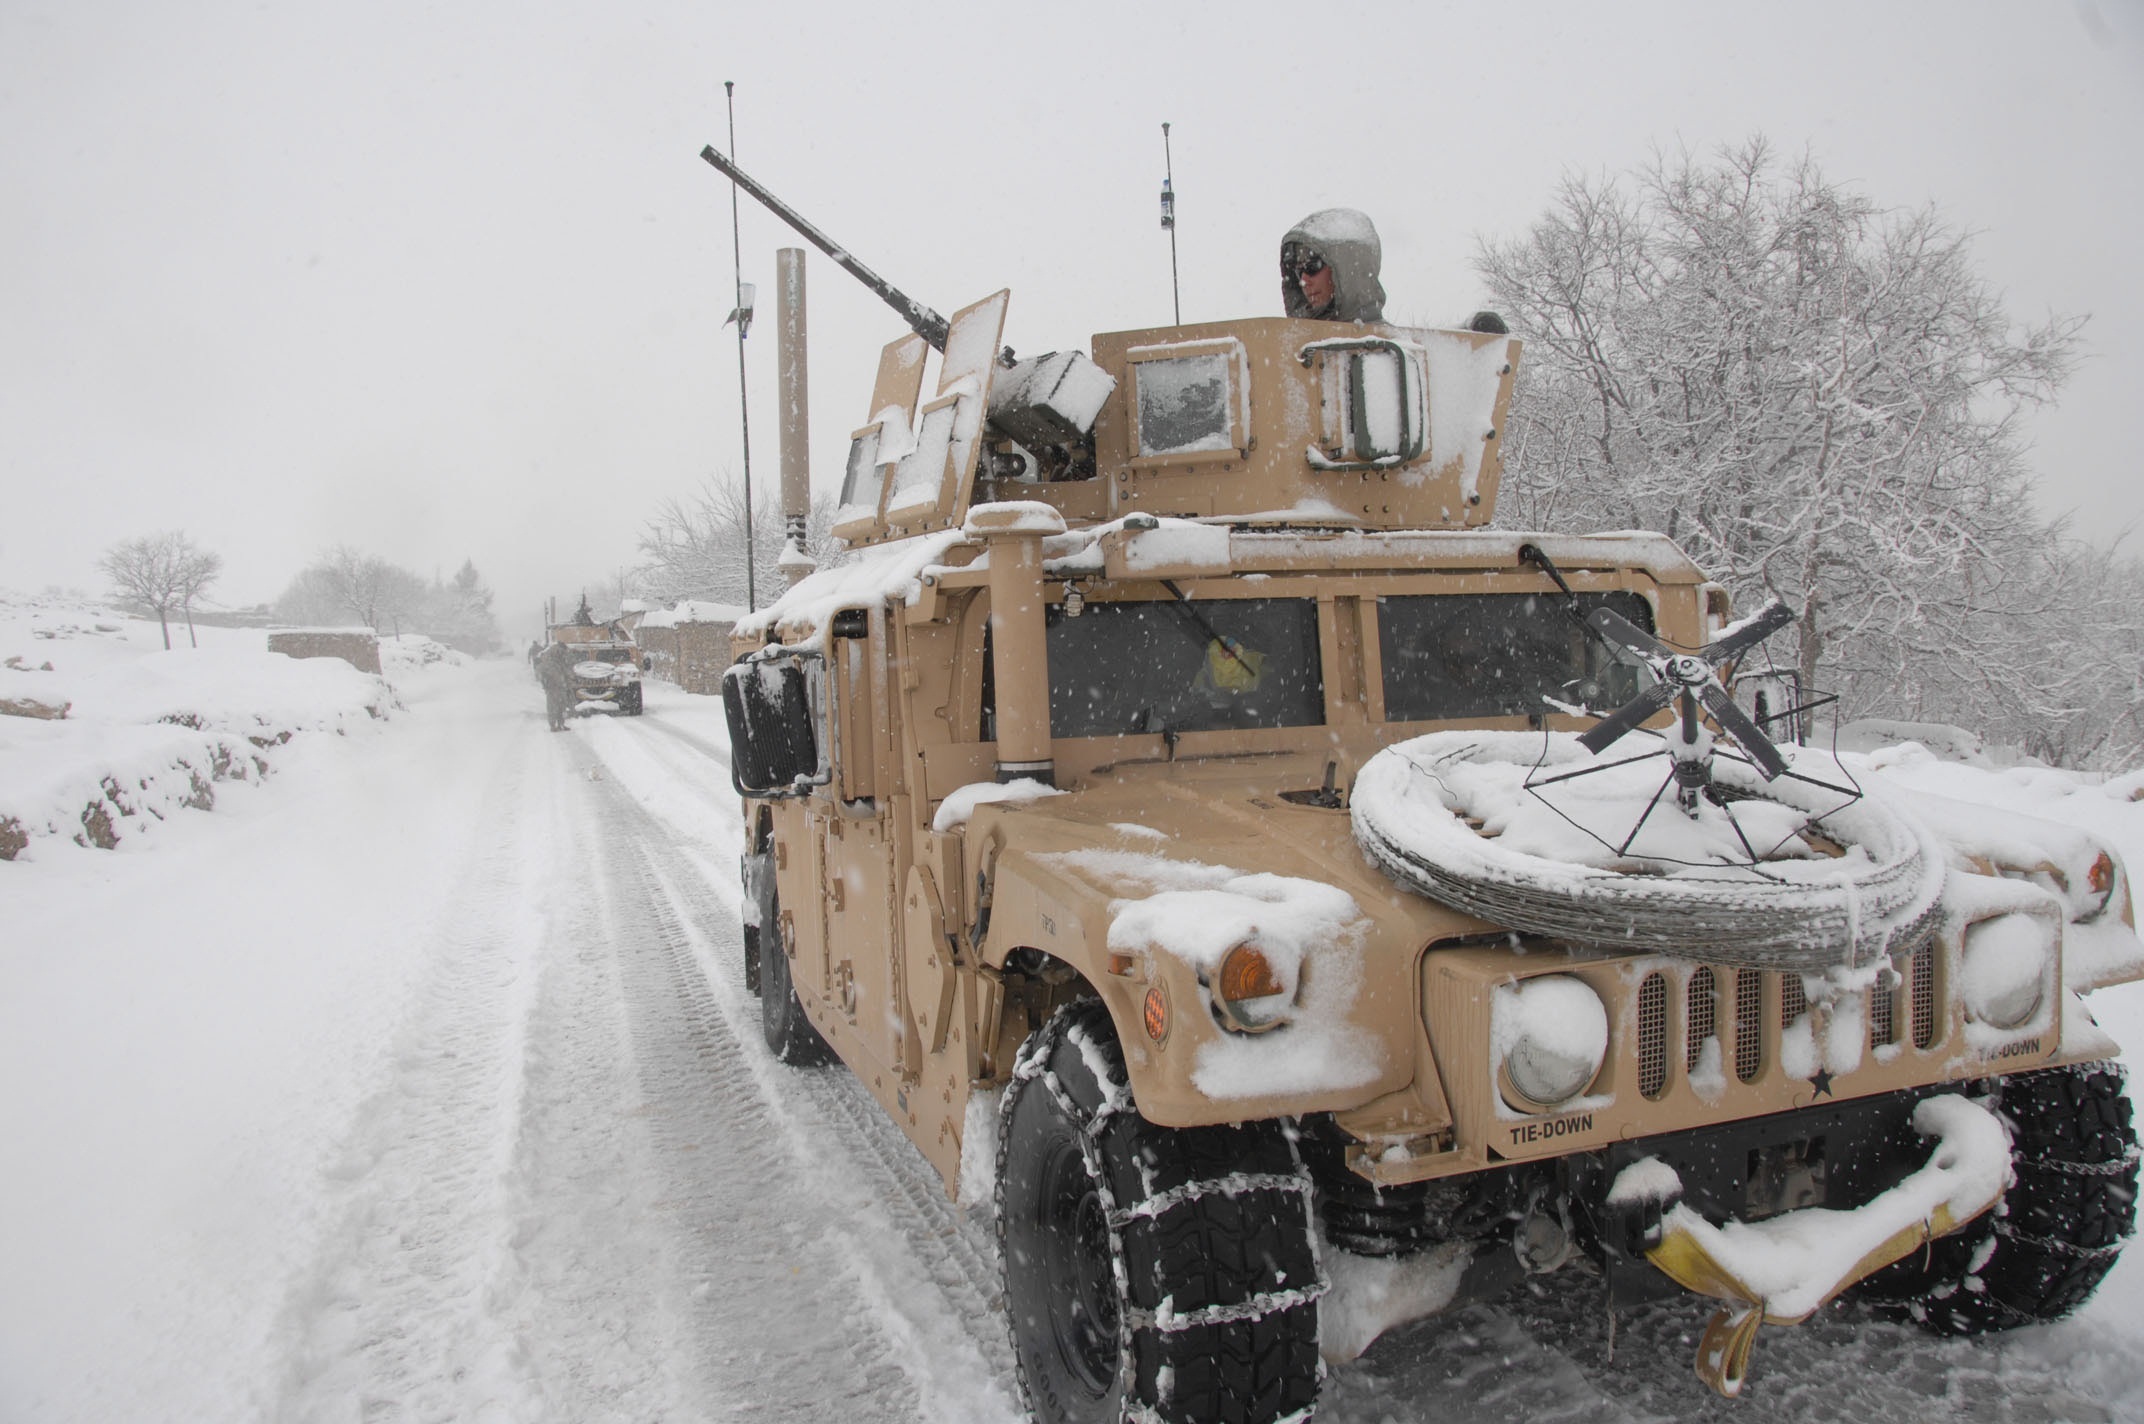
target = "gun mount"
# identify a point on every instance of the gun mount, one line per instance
(1277, 422)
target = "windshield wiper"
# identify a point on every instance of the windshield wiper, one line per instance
(1228, 645)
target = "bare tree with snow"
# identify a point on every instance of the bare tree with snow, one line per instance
(157, 573)
(196, 570)
(1819, 398)
(694, 546)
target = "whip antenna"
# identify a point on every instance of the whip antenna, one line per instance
(742, 315)
(1168, 220)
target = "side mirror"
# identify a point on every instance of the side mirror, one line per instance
(770, 704)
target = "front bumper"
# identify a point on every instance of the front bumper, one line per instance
(1781, 1269)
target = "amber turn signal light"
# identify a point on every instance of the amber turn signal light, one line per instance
(1246, 973)
(1157, 1015)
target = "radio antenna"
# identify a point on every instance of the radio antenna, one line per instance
(1168, 220)
(742, 315)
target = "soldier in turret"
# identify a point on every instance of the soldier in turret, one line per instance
(1329, 265)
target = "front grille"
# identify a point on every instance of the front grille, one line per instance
(1883, 1015)
(1758, 1021)
(1921, 977)
(1653, 1036)
(1701, 1014)
(1749, 1024)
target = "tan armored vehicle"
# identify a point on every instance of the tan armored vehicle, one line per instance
(1187, 815)
(604, 664)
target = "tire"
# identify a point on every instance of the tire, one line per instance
(630, 698)
(2045, 1247)
(789, 1034)
(1417, 810)
(1151, 1273)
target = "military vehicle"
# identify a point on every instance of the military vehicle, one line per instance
(1200, 829)
(606, 664)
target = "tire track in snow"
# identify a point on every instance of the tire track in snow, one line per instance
(399, 1316)
(930, 1264)
(775, 1321)
(600, 1312)
(713, 751)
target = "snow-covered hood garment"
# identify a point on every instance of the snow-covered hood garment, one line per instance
(1347, 240)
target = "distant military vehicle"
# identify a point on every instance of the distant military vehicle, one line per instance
(605, 666)
(1188, 814)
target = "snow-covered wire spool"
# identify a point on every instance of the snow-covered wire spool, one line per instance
(1608, 860)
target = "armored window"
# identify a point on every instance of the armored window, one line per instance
(1374, 394)
(916, 478)
(860, 485)
(1185, 666)
(1188, 401)
(1450, 656)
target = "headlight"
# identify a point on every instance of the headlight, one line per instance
(1550, 1036)
(2005, 968)
(1249, 994)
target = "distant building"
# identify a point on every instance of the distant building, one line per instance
(690, 643)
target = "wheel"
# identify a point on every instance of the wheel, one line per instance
(630, 700)
(1532, 831)
(2044, 1248)
(757, 870)
(781, 1017)
(1150, 1272)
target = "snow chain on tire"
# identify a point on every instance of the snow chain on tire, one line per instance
(1213, 1275)
(2044, 1249)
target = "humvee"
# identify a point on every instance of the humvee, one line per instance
(606, 665)
(1202, 831)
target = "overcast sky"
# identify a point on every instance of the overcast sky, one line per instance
(443, 280)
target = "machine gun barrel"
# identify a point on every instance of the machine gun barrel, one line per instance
(920, 318)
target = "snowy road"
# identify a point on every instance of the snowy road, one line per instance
(422, 1084)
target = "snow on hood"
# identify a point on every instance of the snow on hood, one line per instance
(960, 803)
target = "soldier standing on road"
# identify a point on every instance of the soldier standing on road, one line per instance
(551, 670)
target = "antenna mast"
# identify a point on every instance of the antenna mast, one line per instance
(744, 417)
(1168, 220)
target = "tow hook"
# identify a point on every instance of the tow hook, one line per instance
(1542, 1241)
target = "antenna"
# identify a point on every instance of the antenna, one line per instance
(744, 417)
(1168, 220)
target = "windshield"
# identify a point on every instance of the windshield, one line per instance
(1450, 656)
(1176, 666)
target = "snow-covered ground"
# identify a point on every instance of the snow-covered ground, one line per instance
(417, 1080)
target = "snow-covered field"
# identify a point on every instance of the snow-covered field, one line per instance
(417, 1080)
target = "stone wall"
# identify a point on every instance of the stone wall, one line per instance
(355, 646)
